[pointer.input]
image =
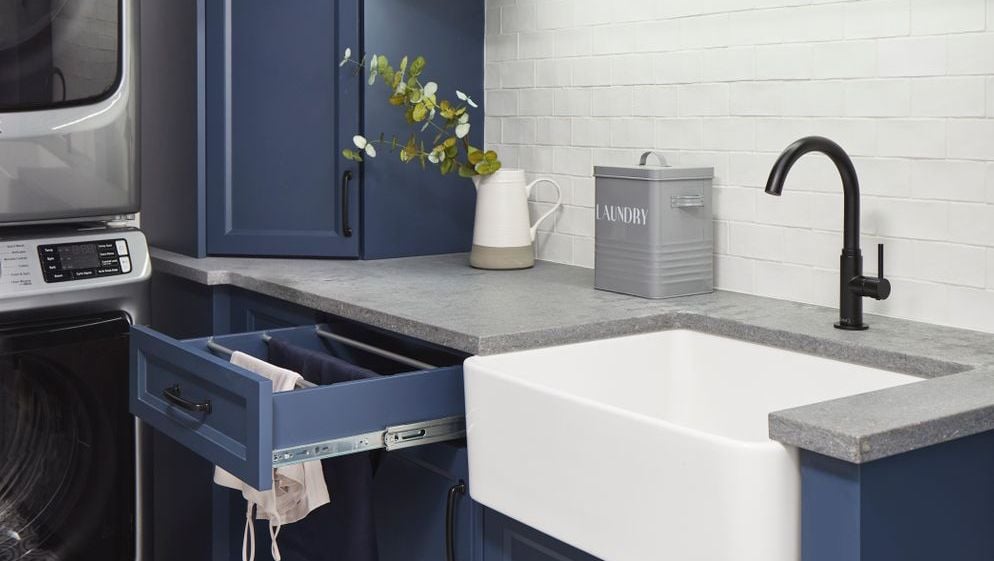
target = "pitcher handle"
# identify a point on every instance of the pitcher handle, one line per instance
(559, 202)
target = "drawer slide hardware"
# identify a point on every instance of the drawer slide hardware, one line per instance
(392, 438)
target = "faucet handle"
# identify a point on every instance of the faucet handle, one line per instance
(877, 287)
(880, 261)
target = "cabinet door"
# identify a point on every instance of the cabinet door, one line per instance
(411, 502)
(279, 109)
(505, 539)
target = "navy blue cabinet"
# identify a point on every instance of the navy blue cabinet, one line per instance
(243, 129)
(278, 113)
(411, 486)
(413, 507)
(505, 539)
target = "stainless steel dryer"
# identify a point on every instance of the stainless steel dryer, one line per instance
(69, 473)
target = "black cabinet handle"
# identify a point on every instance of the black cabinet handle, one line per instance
(174, 395)
(455, 492)
(346, 227)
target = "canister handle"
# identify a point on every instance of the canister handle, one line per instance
(645, 158)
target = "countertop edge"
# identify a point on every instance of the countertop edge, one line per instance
(856, 429)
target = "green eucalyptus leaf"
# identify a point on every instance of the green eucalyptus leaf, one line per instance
(417, 66)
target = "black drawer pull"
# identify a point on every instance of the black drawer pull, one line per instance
(346, 227)
(174, 395)
(450, 520)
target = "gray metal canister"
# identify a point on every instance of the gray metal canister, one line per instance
(654, 231)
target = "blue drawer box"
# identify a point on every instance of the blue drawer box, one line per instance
(248, 428)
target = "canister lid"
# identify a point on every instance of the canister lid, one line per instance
(661, 172)
(653, 173)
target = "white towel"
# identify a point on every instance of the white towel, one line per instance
(297, 489)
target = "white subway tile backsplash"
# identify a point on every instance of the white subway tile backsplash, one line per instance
(553, 131)
(814, 99)
(537, 44)
(784, 281)
(878, 98)
(554, 247)
(905, 86)
(679, 134)
(783, 62)
(990, 182)
(971, 223)
(990, 97)
(942, 16)
(703, 99)
(728, 64)
(971, 308)
(572, 102)
(848, 59)
(552, 73)
(554, 14)
(757, 98)
(516, 18)
(948, 97)
(536, 102)
(631, 133)
(518, 131)
(728, 134)
(921, 138)
(734, 273)
(951, 264)
(971, 139)
(878, 18)
(971, 53)
(813, 23)
(756, 241)
(654, 101)
(583, 252)
(517, 74)
(948, 180)
(884, 177)
(916, 56)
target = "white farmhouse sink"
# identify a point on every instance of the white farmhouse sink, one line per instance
(650, 447)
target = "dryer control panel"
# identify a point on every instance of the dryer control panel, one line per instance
(62, 262)
(84, 260)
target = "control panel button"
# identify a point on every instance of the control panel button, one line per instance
(122, 247)
(57, 277)
(107, 271)
(125, 264)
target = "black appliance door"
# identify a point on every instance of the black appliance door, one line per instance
(67, 442)
(58, 52)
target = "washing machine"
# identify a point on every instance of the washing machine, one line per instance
(70, 488)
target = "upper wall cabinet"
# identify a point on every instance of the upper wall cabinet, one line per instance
(245, 111)
(278, 113)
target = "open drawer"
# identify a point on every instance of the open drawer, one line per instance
(231, 417)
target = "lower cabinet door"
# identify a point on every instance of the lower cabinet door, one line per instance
(505, 539)
(230, 417)
(422, 506)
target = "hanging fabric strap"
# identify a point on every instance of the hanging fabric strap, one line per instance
(248, 536)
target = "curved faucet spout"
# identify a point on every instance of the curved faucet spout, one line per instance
(853, 286)
(850, 183)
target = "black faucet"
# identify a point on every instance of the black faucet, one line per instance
(853, 286)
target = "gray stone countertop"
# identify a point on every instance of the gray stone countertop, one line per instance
(442, 300)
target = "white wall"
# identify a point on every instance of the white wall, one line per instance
(906, 86)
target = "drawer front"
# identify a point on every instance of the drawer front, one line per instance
(236, 433)
(248, 428)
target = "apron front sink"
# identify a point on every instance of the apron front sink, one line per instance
(650, 446)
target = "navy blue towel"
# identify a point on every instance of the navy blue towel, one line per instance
(344, 529)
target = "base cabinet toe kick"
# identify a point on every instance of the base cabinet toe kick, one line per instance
(230, 416)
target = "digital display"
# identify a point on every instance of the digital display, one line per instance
(78, 256)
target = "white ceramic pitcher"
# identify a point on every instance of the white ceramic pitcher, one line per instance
(503, 236)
